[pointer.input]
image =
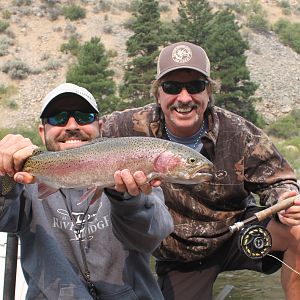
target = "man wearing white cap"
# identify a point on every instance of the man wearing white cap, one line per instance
(246, 162)
(87, 251)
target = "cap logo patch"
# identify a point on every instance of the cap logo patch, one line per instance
(181, 54)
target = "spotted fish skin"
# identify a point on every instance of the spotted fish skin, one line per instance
(94, 164)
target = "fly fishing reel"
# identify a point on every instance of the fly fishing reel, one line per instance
(255, 241)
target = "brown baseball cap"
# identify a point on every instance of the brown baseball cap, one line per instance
(182, 55)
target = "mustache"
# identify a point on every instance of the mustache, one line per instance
(78, 135)
(184, 105)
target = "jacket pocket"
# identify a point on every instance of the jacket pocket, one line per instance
(67, 292)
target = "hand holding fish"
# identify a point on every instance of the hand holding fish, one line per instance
(14, 150)
(134, 183)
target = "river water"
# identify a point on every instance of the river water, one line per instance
(249, 285)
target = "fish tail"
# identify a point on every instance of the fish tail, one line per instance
(7, 184)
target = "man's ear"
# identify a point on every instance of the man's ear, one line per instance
(157, 97)
(209, 89)
(42, 133)
(100, 122)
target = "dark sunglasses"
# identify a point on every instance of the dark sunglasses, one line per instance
(62, 118)
(175, 87)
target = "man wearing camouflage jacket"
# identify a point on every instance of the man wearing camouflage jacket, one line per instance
(246, 162)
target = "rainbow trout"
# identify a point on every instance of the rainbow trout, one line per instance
(93, 165)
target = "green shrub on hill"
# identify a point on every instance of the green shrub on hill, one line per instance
(3, 25)
(6, 93)
(286, 127)
(32, 134)
(72, 46)
(290, 149)
(73, 12)
(285, 134)
(289, 33)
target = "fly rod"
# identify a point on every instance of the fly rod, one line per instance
(263, 214)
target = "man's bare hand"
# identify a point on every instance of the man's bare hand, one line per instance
(24, 178)
(133, 184)
(14, 150)
(291, 215)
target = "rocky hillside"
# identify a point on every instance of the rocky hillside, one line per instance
(277, 70)
(35, 38)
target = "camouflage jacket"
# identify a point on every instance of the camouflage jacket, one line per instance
(239, 150)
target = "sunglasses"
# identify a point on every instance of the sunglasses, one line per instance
(62, 118)
(192, 87)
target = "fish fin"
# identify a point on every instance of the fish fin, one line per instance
(97, 140)
(97, 195)
(44, 190)
(100, 139)
(7, 184)
(37, 151)
(93, 192)
(153, 175)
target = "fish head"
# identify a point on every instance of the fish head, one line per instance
(181, 164)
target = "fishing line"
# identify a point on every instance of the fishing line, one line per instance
(220, 174)
(231, 184)
(284, 264)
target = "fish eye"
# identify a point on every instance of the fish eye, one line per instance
(191, 160)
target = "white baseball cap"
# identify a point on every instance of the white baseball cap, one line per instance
(69, 88)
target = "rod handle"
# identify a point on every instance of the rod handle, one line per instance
(283, 204)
